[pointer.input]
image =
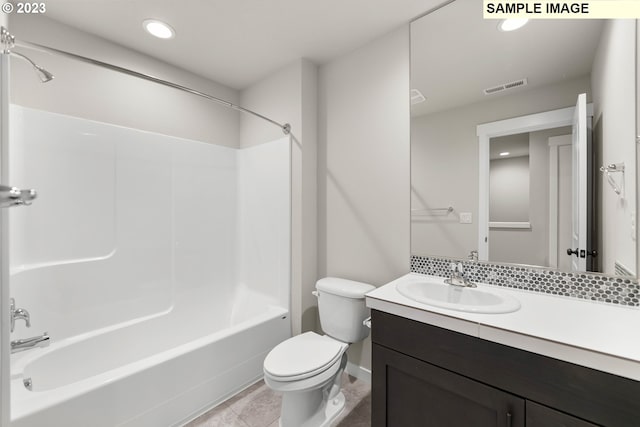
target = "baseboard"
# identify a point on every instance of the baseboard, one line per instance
(359, 372)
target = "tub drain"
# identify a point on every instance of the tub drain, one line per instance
(28, 383)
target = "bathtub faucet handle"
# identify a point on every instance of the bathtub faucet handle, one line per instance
(18, 313)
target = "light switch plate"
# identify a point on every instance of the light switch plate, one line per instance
(466, 218)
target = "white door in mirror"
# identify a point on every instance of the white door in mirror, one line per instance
(580, 238)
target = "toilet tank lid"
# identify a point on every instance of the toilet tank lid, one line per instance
(343, 287)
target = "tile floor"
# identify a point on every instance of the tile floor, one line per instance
(259, 406)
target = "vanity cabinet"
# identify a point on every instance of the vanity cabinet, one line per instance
(428, 376)
(421, 394)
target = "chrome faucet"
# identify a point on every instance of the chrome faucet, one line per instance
(457, 277)
(18, 313)
(473, 256)
(27, 343)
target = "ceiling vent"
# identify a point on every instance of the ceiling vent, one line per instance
(505, 86)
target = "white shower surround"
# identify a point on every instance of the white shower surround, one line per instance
(159, 266)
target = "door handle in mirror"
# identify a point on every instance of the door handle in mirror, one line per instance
(572, 252)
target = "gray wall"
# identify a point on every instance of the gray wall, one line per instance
(94, 93)
(363, 158)
(613, 80)
(637, 123)
(362, 176)
(509, 189)
(289, 95)
(444, 150)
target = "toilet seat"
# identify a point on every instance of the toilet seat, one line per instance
(303, 356)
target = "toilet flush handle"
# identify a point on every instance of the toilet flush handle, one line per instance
(367, 322)
(315, 294)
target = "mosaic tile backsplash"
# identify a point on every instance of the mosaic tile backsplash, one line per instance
(589, 286)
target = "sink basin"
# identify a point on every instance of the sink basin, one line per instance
(473, 300)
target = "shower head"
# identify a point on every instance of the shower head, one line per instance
(43, 74)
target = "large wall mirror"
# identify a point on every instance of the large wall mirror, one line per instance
(501, 164)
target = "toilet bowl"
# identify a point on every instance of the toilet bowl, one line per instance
(307, 369)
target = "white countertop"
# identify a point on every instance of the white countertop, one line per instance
(592, 334)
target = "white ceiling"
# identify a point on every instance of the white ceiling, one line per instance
(455, 54)
(238, 42)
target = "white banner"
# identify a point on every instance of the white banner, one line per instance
(545, 9)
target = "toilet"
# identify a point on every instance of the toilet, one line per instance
(307, 368)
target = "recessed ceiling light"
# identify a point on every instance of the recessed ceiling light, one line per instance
(158, 29)
(505, 153)
(512, 24)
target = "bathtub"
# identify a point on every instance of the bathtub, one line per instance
(160, 370)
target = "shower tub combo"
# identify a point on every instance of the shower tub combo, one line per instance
(139, 375)
(162, 277)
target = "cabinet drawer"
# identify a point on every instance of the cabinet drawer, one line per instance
(541, 416)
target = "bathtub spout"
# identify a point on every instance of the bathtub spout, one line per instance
(26, 344)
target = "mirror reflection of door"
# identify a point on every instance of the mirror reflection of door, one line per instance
(512, 193)
(530, 198)
(560, 201)
(580, 251)
(541, 196)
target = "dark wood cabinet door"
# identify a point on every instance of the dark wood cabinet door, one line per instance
(541, 416)
(408, 392)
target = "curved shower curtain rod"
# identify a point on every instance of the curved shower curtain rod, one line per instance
(286, 128)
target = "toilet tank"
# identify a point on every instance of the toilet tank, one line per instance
(342, 308)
